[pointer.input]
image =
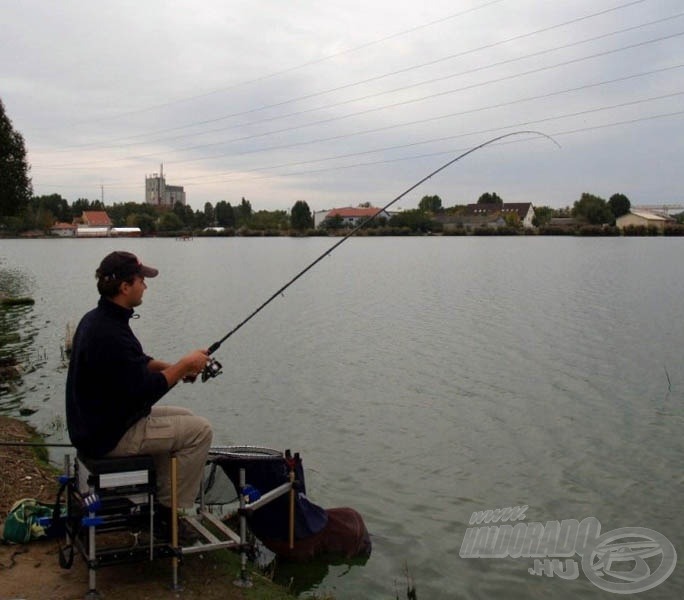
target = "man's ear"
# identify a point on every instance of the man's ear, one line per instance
(124, 287)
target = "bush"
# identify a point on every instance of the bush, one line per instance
(503, 230)
(484, 231)
(227, 232)
(634, 230)
(320, 232)
(556, 230)
(641, 230)
(591, 230)
(674, 230)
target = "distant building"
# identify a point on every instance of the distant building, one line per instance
(349, 216)
(94, 223)
(643, 218)
(125, 232)
(523, 210)
(159, 193)
(63, 229)
(96, 218)
(85, 231)
(319, 216)
(488, 215)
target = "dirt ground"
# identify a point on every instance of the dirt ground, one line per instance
(32, 572)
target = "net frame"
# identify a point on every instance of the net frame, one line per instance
(242, 453)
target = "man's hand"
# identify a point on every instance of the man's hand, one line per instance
(195, 362)
(187, 368)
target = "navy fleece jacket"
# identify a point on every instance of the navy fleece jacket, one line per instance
(109, 386)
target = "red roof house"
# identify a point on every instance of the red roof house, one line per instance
(96, 218)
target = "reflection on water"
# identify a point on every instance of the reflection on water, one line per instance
(300, 578)
(17, 334)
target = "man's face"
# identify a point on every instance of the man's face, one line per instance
(133, 292)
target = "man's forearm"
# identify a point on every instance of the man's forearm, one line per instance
(155, 366)
(190, 366)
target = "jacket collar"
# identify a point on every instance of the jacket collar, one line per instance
(113, 309)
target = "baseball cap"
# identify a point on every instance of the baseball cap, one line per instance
(121, 265)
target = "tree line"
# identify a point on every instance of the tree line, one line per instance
(42, 212)
(20, 210)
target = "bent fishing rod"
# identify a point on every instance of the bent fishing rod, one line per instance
(213, 367)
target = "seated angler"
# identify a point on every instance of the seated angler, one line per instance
(113, 386)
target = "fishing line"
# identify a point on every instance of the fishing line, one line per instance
(213, 367)
(36, 444)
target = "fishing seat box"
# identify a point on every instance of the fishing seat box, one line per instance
(124, 484)
(119, 474)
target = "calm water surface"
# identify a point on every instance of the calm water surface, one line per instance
(421, 379)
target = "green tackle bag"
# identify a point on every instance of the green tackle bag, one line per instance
(27, 520)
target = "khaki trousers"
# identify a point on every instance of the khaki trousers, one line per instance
(171, 431)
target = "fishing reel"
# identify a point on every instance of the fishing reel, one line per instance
(212, 369)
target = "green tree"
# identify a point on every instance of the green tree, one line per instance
(57, 205)
(512, 219)
(542, 215)
(269, 219)
(146, 222)
(225, 214)
(300, 216)
(430, 204)
(200, 220)
(455, 209)
(44, 219)
(415, 220)
(170, 221)
(488, 198)
(15, 183)
(188, 216)
(82, 204)
(244, 213)
(184, 213)
(334, 222)
(619, 205)
(79, 206)
(209, 214)
(118, 214)
(593, 209)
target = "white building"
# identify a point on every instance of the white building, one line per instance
(350, 216)
(641, 217)
(125, 232)
(87, 231)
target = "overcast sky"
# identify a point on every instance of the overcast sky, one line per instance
(342, 102)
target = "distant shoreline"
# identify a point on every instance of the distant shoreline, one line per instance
(577, 231)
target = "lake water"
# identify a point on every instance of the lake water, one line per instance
(421, 379)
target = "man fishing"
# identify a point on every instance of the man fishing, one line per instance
(113, 386)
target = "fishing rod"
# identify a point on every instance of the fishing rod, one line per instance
(213, 367)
